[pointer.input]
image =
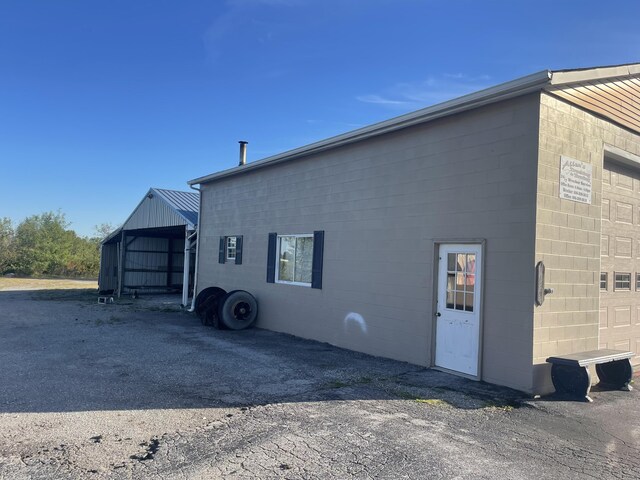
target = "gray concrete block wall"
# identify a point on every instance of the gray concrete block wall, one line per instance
(568, 234)
(382, 203)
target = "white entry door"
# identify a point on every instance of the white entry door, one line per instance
(458, 310)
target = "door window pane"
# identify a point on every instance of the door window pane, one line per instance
(459, 301)
(451, 262)
(468, 304)
(461, 280)
(450, 299)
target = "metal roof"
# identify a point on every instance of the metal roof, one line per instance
(174, 208)
(515, 88)
(185, 204)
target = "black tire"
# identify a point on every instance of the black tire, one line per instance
(207, 304)
(238, 310)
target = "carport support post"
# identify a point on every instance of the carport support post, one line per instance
(123, 257)
(186, 266)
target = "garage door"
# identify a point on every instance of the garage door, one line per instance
(620, 277)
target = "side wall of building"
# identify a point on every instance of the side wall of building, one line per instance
(108, 274)
(382, 203)
(568, 233)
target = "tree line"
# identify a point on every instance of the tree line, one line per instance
(43, 245)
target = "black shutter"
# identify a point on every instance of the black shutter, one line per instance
(271, 258)
(221, 251)
(318, 256)
(239, 250)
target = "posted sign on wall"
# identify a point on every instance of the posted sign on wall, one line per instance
(575, 180)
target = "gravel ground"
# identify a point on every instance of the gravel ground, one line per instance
(139, 389)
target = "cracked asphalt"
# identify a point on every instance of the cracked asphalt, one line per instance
(140, 390)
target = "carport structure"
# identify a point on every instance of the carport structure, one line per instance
(152, 250)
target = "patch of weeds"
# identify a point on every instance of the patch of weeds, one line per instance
(444, 390)
(434, 402)
(404, 395)
(505, 407)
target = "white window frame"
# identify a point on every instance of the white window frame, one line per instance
(615, 282)
(277, 266)
(228, 249)
(605, 279)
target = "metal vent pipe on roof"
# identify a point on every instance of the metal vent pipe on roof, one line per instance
(243, 152)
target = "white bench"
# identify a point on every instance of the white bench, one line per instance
(570, 373)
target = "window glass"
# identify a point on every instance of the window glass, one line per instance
(451, 262)
(286, 258)
(295, 258)
(450, 288)
(461, 280)
(231, 248)
(623, 281)
(603, 280)
(304, 259)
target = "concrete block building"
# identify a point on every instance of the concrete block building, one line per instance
(418, 238)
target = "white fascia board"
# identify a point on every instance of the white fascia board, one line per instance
(593, 74)
(504, 91)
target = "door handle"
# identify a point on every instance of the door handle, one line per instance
(438, 314)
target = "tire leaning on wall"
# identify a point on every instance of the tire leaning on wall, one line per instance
(207, 303)
(238, 310)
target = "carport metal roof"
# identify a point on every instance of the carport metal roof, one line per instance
(161, 208)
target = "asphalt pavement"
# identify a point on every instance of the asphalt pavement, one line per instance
(139, 389)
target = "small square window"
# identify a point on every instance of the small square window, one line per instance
(231, 248)
(623, 281)
(637, 281)
(604, 280)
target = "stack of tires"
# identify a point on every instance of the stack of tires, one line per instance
(235, 310)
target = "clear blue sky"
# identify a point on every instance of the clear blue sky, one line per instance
(100, 100)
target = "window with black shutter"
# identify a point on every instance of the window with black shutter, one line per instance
(296, 259)
(230, 249)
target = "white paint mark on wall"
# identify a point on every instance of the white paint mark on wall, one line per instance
(355, 321)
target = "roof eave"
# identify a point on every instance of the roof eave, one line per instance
(188, 222)
(504, 91)
(111, 236)
(563, 77)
